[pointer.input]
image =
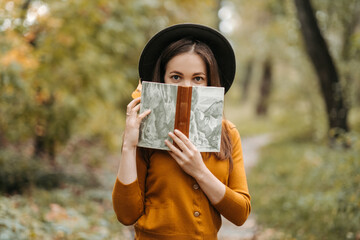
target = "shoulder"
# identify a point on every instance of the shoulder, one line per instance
(235, 139)
(231, 131)
(230, 127)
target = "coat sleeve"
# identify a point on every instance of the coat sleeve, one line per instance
(128, 199)
(235, 205)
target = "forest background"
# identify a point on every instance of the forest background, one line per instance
(67, 71)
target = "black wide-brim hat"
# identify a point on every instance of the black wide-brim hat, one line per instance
(220, 46)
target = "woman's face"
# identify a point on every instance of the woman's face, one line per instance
(187, 69)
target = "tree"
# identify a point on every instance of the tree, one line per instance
(325, 68)
(265, 88)
(245, 81)
(70, 70)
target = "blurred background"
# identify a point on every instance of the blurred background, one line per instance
(67, 71)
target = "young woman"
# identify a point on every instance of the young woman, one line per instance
(181, 193)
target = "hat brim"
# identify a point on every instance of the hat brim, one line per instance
(220, 46)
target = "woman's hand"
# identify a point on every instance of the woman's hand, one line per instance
(187, 155)
(190, 160)
(133, 121)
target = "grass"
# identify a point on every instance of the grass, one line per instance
(308, 190)
(301, 187)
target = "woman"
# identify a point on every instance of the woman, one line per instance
(180, 194)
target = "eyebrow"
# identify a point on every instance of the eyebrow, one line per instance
(176, 72)
(197, 73)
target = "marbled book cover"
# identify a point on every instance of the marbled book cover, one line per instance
(205, 116)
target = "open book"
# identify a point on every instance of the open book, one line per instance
(195, 111)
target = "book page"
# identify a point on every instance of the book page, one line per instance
(154, 129)
(206, 118)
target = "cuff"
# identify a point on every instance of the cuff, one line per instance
(132, 189)
(234, 206)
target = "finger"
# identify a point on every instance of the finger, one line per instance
(131, 111)
(136, 108)
(173, 149)
(179, 142)
(133, 103)
(174, 156)
(144, 114)
(185, 140)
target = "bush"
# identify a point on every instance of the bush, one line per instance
(18, 173)
(308, 190)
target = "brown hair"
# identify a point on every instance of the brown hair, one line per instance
(186, 45)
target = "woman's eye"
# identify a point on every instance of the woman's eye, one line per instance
(198, 79)
(175, 77)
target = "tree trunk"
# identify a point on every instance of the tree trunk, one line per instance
(39, 145)
(265, 88)
(2, 138)
(318, 52)
(246, 79)
(44, 144)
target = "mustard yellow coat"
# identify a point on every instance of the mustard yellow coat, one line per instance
(166, 203)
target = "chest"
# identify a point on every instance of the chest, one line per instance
(163, 169)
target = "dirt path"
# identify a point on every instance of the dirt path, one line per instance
(229, 231)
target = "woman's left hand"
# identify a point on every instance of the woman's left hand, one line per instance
(187, 155)
(190, 160)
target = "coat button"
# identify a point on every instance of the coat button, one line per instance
(196, 214)
(196, 186)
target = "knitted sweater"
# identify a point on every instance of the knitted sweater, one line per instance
(166, 203)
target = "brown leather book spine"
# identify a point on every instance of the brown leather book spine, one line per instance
(183, 109)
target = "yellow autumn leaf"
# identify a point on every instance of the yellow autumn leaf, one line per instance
(137, 92)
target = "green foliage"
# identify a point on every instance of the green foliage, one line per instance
(71, 69)
(18, 173)
(277, 35)
(307, 190)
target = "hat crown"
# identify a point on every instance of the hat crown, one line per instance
(219, 45)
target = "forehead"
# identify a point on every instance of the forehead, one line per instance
(190, 61)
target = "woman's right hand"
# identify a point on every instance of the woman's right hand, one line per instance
(133, 121)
